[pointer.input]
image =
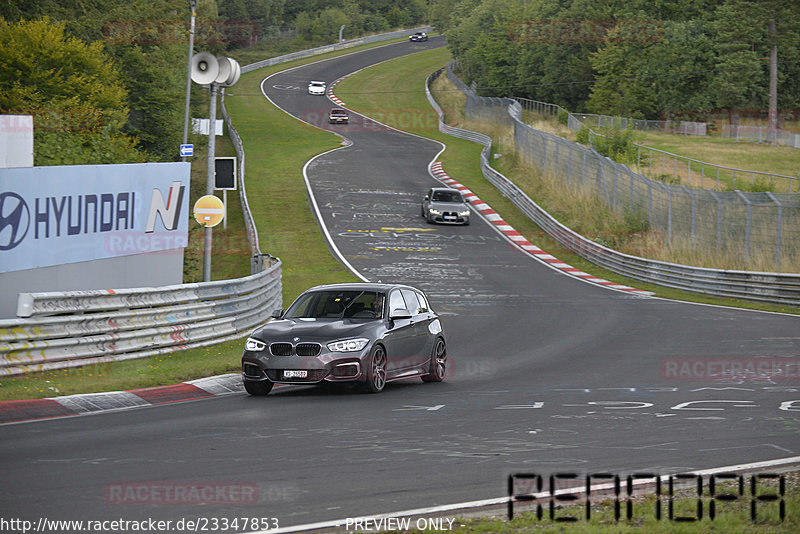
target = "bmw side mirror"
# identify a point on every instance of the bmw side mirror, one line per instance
(400, 313)
(426, 197)
(276, 314)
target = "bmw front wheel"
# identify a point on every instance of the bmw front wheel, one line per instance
(376, 370)
(258, 388)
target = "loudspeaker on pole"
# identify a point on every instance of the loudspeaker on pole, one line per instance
(205, 68)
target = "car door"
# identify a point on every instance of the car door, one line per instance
(400, 337)
(418, 347)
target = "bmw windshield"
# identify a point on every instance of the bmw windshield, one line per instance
(337, 305)
(447, 196)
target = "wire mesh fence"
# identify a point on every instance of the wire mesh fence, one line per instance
(761, 133)
(666, 166)
(758, 227)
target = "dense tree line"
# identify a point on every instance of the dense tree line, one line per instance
(63, 61)
(640, 58)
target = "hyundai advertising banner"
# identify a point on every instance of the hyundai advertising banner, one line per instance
(65, 214)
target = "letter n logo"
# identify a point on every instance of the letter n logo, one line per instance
(170, 212)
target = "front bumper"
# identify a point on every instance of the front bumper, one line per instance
(449, 219)
(327, 367)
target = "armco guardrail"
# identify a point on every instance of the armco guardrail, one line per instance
(70, 329)
(331, 48)
(777, 288)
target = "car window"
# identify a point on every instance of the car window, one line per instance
(423, 303)
(337, 305)
(411, 301)
(447, 196)
(396, 301)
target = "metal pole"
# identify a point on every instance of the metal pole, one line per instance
(212, 127)
(189, 77)
(747, 224)
(778, 234)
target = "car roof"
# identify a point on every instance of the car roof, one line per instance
(449, 189)
(316, 81)
(361, 286)
(338, 109)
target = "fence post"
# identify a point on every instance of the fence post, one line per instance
(691, 195)
(583, 169)
(569, 168)
(719, 218)
(702, 175)
(555, 164)
(747, 224)
(778, 230)
(669, 211)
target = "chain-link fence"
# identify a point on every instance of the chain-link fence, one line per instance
(760, 133)
(665, 166)
(731, 223)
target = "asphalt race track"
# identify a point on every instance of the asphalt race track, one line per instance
(550, 374)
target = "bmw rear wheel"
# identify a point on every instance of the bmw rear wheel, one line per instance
(438, 368)
(376, 370)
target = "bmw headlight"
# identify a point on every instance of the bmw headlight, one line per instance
(463, 213)
(434, 212)
(348, 345)
(254, 345)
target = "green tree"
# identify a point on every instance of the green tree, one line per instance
(73, 91)
(738, 28)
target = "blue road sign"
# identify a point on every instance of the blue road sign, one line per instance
(187, 150)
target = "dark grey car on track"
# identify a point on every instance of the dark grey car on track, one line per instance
(366, 333)
(445, 205)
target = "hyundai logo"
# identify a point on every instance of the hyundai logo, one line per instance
(15, 219)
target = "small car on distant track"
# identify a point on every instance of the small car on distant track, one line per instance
(445, 205)
(316, 88)
(419, 36)
(338, 116)
(363, 333)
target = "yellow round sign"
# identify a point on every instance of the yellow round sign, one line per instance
(208, 211)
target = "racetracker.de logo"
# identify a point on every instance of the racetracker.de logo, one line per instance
(165, 32)
(693, 369)
(586, 31)
(181, 493)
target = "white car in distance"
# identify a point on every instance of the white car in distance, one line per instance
(316, 88)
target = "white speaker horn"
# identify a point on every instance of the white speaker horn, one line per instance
(205, 68)
(224, 69)
(236, 71)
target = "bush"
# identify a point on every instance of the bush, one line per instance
(563, 117)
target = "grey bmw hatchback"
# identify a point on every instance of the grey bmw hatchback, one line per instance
(366, 333)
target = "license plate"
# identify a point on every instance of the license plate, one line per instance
(295, 374)
(449, 217)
